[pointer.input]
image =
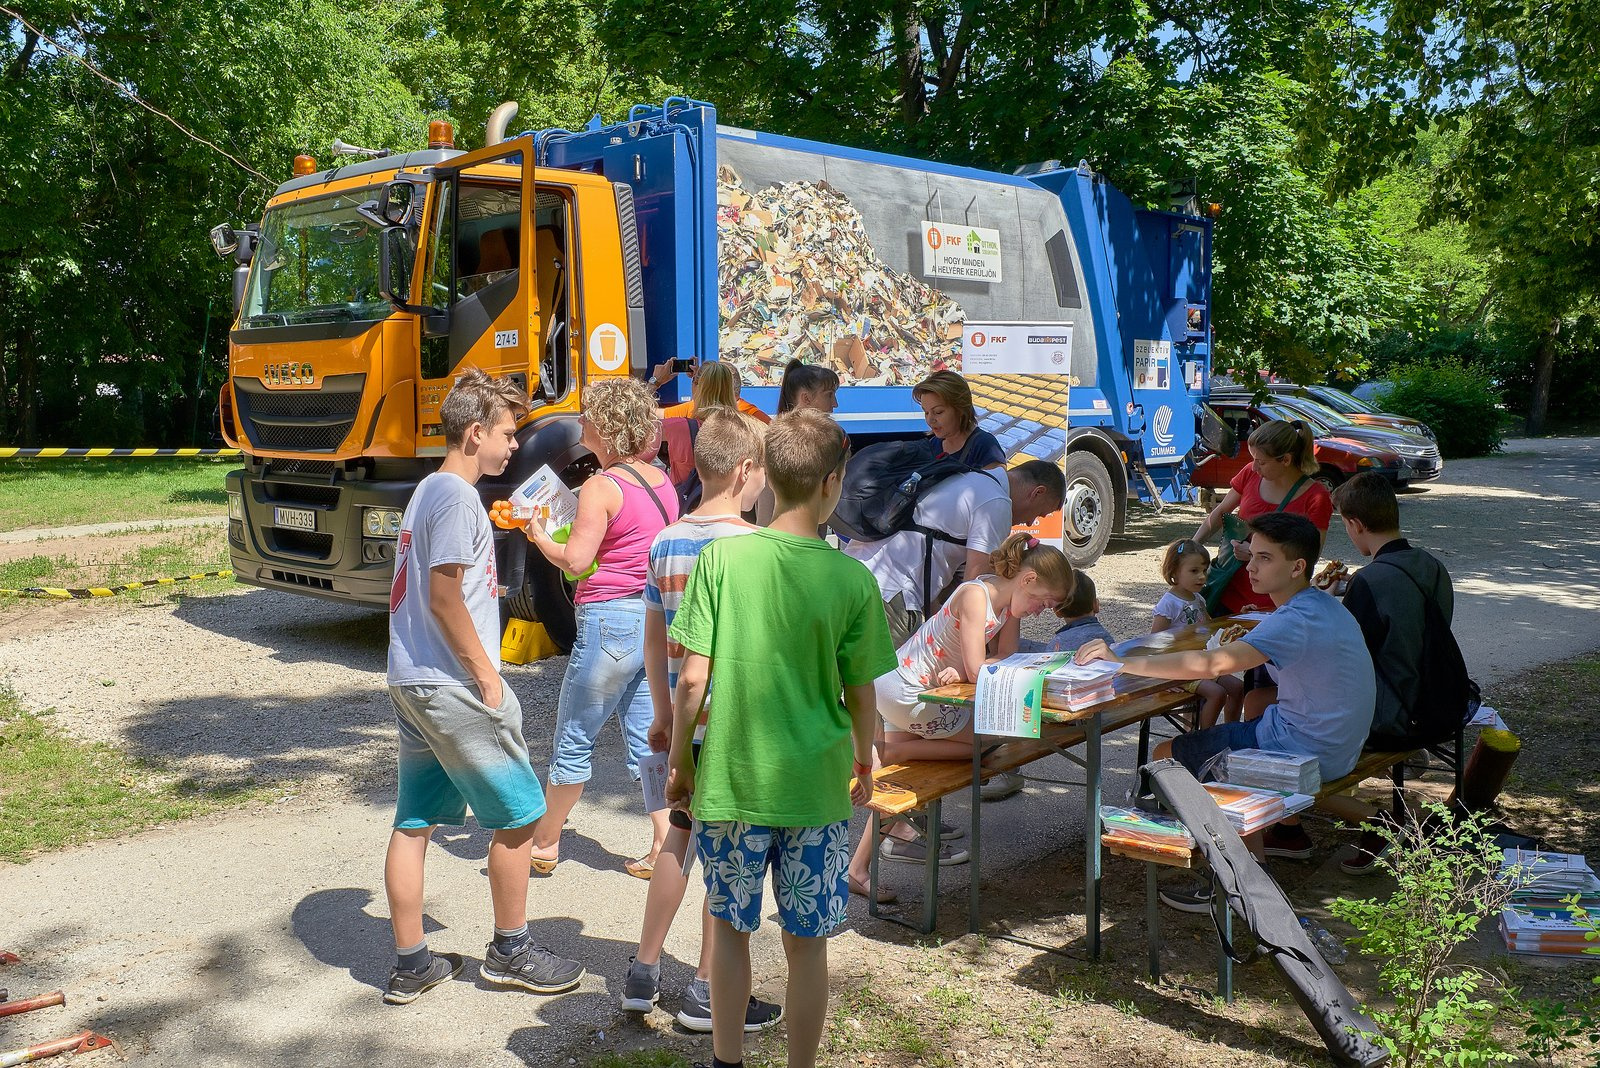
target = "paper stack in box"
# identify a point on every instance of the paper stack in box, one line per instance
(1130, 831)
(1272, 769)
(1250, 808)
(1539, 919)
(1079, 686)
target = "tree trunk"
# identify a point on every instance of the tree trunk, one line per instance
(27, 391)
(906, 29)
(1543, 370)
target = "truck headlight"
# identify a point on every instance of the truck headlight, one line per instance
(382, 523)
(235, 506)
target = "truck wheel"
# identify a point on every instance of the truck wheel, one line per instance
(1329, 476)
(1208, 498)
(1087, 509)
(545, 596)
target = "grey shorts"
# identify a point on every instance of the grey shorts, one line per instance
(456, 751)
(903, 621)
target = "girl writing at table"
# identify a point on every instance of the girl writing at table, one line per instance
(1184, 605)
(979, 623)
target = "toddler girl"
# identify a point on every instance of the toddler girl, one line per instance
(1184, 605)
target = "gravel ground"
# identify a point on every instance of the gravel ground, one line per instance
(204, 944)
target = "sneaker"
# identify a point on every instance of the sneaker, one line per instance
(947, 831)
(915, 851)
(406, 987)
(532, 968)
(696, 1011)
(1194, 896)
(1000, 786)
(642, 988)
(1290, 843)
(1368, 850)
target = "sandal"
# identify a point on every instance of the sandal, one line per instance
(543, 866)
(642, 868)
(886, 896)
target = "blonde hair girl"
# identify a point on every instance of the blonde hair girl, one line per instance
(1184, 567)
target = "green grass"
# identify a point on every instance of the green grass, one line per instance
(61, 493)
(104, 560)
(58, 792)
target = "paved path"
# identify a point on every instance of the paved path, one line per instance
(259, 938)
(18, 537)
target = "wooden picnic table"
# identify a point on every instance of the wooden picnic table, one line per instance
(1135, 699)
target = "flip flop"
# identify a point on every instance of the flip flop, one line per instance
(640, 869)
(543, 866)
(886, 896)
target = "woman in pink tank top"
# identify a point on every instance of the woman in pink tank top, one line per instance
(620, 511)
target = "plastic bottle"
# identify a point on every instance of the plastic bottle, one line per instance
(1333, 951)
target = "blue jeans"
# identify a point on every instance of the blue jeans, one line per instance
(605, 676)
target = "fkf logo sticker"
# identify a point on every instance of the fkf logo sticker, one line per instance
(980, 339)
(289, 375)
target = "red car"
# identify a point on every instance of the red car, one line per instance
(1338, 458)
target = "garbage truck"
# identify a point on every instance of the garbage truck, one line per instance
(560, 257)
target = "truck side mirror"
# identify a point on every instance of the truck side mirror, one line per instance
(394, 267)
(396, 201)
(224, 239)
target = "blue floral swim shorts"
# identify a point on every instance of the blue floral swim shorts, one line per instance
(809, 867)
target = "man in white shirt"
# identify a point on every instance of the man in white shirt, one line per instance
(972, 513)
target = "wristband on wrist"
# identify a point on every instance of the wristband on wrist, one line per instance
(861, 769)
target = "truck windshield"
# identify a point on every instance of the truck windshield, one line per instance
(317, 262)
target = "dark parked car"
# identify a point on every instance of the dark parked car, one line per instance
(1420, 455)
(1338, 457)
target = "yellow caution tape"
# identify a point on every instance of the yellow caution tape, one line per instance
(10, 453)
(62, 594)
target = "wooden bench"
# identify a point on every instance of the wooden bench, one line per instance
(923, 784)
(1372, 764)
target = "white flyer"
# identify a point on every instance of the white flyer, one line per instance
(1009, 697)
(546, 498)
(653, 780)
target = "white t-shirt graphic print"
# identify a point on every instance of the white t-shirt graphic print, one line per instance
(445, 523)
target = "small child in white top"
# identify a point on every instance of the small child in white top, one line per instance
(1183, 605)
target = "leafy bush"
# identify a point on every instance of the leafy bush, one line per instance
(1446, 884)
(1459, 402)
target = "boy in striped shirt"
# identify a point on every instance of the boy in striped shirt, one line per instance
(729, 459)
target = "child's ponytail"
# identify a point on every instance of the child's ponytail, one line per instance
(1021, 551)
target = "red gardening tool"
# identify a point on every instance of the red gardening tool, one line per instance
(83, 1042)
(22, 1005)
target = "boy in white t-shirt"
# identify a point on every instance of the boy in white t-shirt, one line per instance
(460, 726)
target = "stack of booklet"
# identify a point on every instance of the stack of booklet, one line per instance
(1274, 770)
(1250, 808)
(1539, 919)
(1079, 686)
(1131, 831)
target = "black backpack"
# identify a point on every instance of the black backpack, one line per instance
(1446, 698)
(882, 485)
(690, 489)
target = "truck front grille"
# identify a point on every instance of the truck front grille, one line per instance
(294, 578)
(299, 420)
(287, 542)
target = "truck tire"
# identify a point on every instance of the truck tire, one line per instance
(1087, 510)
(1208, 498)
(544, 596)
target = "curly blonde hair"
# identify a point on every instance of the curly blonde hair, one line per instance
(623, 413)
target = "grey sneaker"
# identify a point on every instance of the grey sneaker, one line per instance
(642, 988)
(916, 851)
(406, 987)
(696, 1012)
(1001, 786)
(532, 968)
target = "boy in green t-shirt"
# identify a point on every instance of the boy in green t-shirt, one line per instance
(790, 623)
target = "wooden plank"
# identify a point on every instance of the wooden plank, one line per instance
(1370, 766)
(900, 788)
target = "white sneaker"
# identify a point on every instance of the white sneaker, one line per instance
(1001, 786)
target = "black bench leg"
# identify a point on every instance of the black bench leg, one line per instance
(930, 871)
(875, 829)
(1152, 921)
(1398, 774)
(974, 835)
(1223, 917)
